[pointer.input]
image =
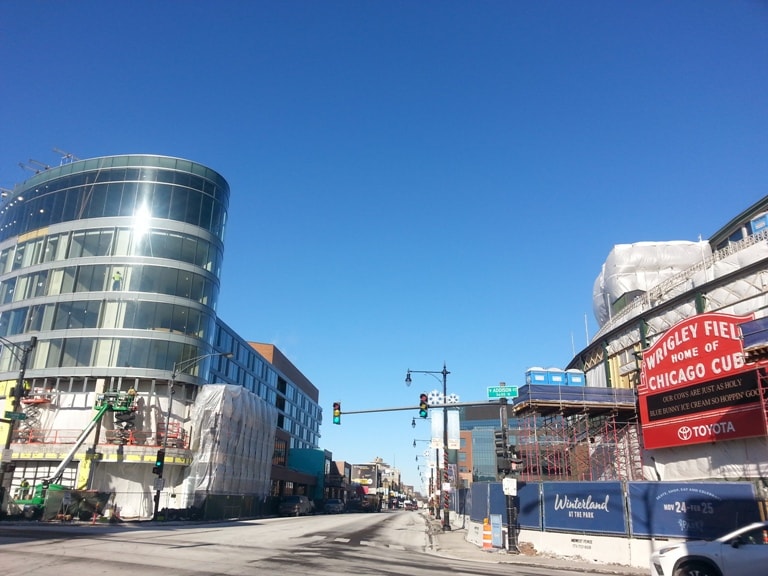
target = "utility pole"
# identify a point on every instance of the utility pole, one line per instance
(21, 353)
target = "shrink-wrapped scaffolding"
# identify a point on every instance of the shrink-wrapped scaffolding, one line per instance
(636, 268)
(232, 438)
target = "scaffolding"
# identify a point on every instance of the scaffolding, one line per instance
(577, 434)
(33, 404)
(177, 437)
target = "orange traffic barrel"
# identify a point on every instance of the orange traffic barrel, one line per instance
(487, 536)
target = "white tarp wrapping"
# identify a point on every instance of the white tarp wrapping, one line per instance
(131, 486)
(233, 440)
(641, 266)
(744, 459)
(232, 435)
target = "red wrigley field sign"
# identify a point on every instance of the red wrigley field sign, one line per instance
(695, 387)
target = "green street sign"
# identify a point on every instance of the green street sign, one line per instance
(16, 415)
(502, 392)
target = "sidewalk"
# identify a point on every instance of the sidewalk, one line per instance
(453, 544)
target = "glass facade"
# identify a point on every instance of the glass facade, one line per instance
(113, 263)
(483, 454)
(140, 187)
(298, 414)
(482, 423)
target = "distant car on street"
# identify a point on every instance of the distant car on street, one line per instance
(737, 553)
(333, 506)
(295, 505)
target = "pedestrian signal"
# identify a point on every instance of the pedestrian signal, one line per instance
(337, 412)
(423, 406)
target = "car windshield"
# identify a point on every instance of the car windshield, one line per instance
(291, 500)
(752, 533)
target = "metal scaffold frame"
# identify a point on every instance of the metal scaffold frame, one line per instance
(583, 441)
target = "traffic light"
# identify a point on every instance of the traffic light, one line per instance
(500, 442)
(337, 412)
(423, 405)
(159, 463)
(502, 452)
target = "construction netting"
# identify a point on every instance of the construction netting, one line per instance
(233, 440)
(633, 269)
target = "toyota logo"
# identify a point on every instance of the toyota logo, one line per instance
(684, 433)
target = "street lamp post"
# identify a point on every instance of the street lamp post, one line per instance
(446, 502)
(178, 368)
(431, 485)
(21, 353)
(437, 466)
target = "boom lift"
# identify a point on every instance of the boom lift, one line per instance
(119, 402)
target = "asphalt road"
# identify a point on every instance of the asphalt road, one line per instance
(387, 543)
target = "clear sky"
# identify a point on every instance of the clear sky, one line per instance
(413, 182)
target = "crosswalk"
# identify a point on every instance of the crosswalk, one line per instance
(371, 543)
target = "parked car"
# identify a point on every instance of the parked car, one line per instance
(333, 506)
(737, 553)
(295, 505)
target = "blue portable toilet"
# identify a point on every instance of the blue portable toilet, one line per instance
(575, 377)
(536, 375)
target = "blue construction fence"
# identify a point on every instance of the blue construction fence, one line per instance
(691, 510)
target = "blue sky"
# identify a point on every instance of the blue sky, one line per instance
(413, 182)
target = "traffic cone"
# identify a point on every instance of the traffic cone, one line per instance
(487, 536)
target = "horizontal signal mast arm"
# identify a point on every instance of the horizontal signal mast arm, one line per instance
(455, 405)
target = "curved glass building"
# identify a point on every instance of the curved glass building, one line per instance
(113, 263)
(109, 282)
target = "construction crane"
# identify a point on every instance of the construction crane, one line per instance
(43, 166)
(25, 166)
(66, 157)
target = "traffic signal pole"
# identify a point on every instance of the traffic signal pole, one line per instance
(512, 545)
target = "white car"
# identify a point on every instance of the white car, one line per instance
(743, 552)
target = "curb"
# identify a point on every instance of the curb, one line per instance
(502, 556)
